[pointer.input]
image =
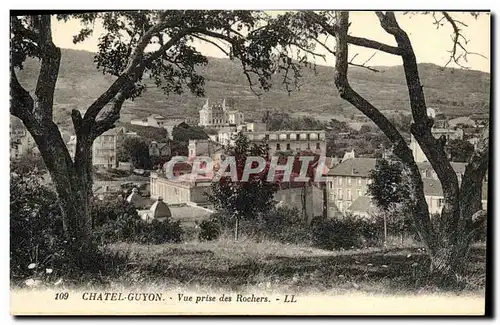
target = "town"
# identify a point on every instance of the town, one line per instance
(344, 190)
(259, 155)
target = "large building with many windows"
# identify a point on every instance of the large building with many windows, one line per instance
(219, 115)
(347, 187)
(104, 149)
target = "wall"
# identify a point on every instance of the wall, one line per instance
(339, 198)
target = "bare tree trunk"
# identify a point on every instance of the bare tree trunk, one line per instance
(73, 183)
(447, 248)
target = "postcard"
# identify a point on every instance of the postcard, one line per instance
(245, 162)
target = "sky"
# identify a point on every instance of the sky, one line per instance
(431, 45)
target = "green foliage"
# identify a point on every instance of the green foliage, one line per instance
(210, 230)
(117, 221)
(283, 121)
(184, 132)
(137, 151)
(36, 233)
(460, 150)
(388, 185)
(148, 133)
(343, 233)
(243, 199)
(27, 163)
(286, 225)
(39, 250)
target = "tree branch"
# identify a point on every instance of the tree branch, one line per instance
(422, 127)
(49, 69)
(401, 149)
(454, 56)
(21, 102)
(213, 43)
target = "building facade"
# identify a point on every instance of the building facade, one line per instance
(347, 187)
(104, 149)
(219, 115)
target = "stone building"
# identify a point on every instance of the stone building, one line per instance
(219, 115)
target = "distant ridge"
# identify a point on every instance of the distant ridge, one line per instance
(452, 91)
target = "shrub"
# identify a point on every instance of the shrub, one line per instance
(39, 249)
(285, 225)
(210, 230)
(336, 233)
(118, 221)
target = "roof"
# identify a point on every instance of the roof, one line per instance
(160, 209)
(432, 187)
(363, 204)
(360, 167)
(135, 198)
(458, 167)
(114, 131)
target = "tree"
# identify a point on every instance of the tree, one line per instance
(462, 213)
(184, 132)
(460, 150)
(239, 199)
(136, 44)
(390, 192)
(136, 151)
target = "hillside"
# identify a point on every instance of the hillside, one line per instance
(452, 91)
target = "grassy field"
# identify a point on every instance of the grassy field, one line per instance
(229, 265)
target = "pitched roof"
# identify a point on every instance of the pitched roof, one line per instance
(363, 204)
(458, 167)
(114, 131)
(432, 187)
(360, 167)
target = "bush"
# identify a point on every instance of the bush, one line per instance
(39, 250)
(343, 233)
(119, 222)
(210, 230)
(285, 225)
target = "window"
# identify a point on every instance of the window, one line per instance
(340, 180)
(360, 193)
(359, 181)
(440, 202)
(331, 185)
(340, 206)
(318, 146)
(288, 146)
(349, 196)
(348, 181)
(339, 194)
(308, 146)
(278, 146)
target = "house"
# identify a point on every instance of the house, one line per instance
(461, 121)
(205, 148)
(346, 182)
(104, 149)
(21, 141)
(363, 207)
(182, 189)
(185, 189)
(449, 134)
(219, 115)
(349, 180)
(159, 149)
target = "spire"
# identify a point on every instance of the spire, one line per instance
(224, 104)
(206, 105)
